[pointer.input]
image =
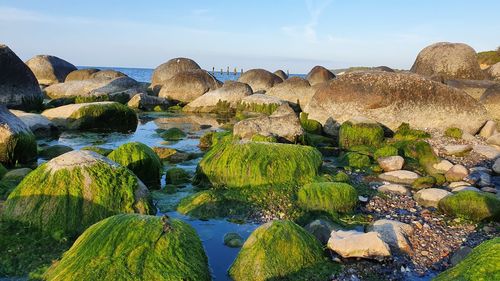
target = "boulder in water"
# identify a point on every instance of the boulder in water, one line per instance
(17, 142)
(188, 85)
(167, 70)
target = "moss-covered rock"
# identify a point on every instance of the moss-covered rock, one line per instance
(423, 182)
(330, 197)
(177, 176)
(471, 205)
(210, 204)
(281, 250)
(172, 134)
(99, 150)
(261, 138)
(360, 131)
(70, 192)
(141, 160)
(250, 164)
(341, 177)
(134, 247)
(206, 140)
(453, 132)
(310, 125)
(422, 152)
(355, 160)
(404, 132)
(233, 240)
(53, 151)
(481, 264)
(385, 151)
(17, 142)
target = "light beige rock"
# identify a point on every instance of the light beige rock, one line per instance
(354, 244)
(496, 166)
(394, 233)
(443, 166)
(167, 70)
(494, 140)
(430, 197)
(456, 184)
(494, 71)
(393, 188)
(458, 149)
(489, 129)
(464, 188)
(295, 90)
(187, 86)
(401, 176)
(49, 70)
(456, 173)
(391, 163)
(94, 87)
(146, 102)
(487, 151)
(259, 79)
(38, 124)
(231, 93)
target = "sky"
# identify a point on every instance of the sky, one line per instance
(292, 35)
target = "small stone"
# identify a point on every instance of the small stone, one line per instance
(424, 253)
(465, 188)
(488, 129)
(352, 243)
(487, 151)
(417, 224)
(456, 184)
(456, 173)
(391, 163)
(494, 140)
(496, 166)
(489, 189)
(430, 197)
(443, 166)
(363, 199)
(393, 188)
(401, 176)
(459, 149)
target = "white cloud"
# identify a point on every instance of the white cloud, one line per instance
(308, 31)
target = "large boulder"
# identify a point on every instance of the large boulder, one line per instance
(19, 88)
(260, 103)
(475, 88)
(281, 74)
(38, 124)
(471, 205)
(107, 74)
(329, 197)
(282, 124)
(50, 70)
(224, 98)
(394, 233)
(295, 90)
(106, 116)
(134, 247)
(69, 193)
(393, 98)
(167, 70)
(188, 85)
(491, 100)
(17, 142)
(319, 74)
(146, 102)
(260, 79)
(279, 250)
(449, 61)
(81, 74)
(494, 71)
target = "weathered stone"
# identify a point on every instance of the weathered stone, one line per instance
(494, 140)
(393, 188)
(456, 173)
(443, 166)
(491, 101)
(354, 244)
(456, 184)
(489, 129)
(430, 197)
(496, 166)
(321, 229)
(494, 71)
(318, 75)
(229, 95)
(17, 142)
(49, 70)
(458, 149)
(38, 124)
(146, 102)
(167, 70)
(391, 163)
(475, 88)
(464, 188)
(295, 90)
(259, 79)
(394, 233)
(281, 74)
(81, 74)
(188, 85)
(401, 176)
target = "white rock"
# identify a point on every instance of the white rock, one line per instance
(430, 197)
(401, 176)
(487, 151)
(354, 244)
(443, 166)
(391, 163)
(394, 233)
(458, 149)
(488, 129)
(394, 188)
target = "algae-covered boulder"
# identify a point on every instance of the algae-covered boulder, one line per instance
(177, 176)
(140, 159)
(471, 205)
(281, 250)
(17, 142)
(134, 247)
(251, 164)
(71, 192)
(360, 131)
(328, 197)
(482, 263)
(105, 116)
(49, 70)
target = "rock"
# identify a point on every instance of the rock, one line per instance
(172, 134)
(471, 205)
(38, 124)
(17, 142)
(107, 116)
(449, 60)
(401, 176)
(16, 175)
(489, 189)
(456, 184)
(457, 149)
(121, 257)
(391, 163)
(259, 79)
(177, 176)
(393, 98)
(49, 70)
(489, 129)
(295, 90)
(443, 166)
(53, 151)
(468, 136)
(494, 71)
(170, 154)
(465, 188)
(19, 88)
(97, 149)
(281, 74)
(318, 75)
(496, 166)
(81, 74)
(278, 249)
(283, 124)
(141, 160)
(491, 101)
(146, 102)
(225, 98)
(69, 193)
(475, 88)
(360, 131)
(494, 140)
(186, 86)
(460, 255)
(487, 151)
(107, 74)
(393, 188)
(430, 197)
(321, 229)
(233, 240)
(167, 70)
(327, 197)
(456, 173)
(354, 244)
(394, 233)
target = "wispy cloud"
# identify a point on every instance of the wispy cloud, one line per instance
(308, 31)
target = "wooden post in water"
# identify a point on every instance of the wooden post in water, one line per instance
(213, 70)
(287, 73)
(221, 71)
(241, 71)
(235, 71)
(228, 70)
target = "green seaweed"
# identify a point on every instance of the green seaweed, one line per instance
(310, 125)
(453, 132)
(404, 132)
(350, 134)
(267, 109)
(177, 176)
(330, 197)
(385, 151)
(104, 117)
(173, 134)
(262, 138)
(355, 160)
(471, 205)
(18, 148)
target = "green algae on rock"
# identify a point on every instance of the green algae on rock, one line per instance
(17, 142)
(69, 193)
(208, 204)
(281, 250)
(53, 151)
(134, 247)
(97, 149)
(310, 125)
(140, 159)
(482, 264)
(172, 134)
(355, 160)
(177, 176)
(471, 205)
(404, 132)
(360, 131)
(328, 197)
(385, 151)
(453, 132)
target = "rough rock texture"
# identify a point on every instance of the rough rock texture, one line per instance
(18, 86)
(186, 86)
(489, 129)
(393, 188)
(17, 142)
(167, 70)
(430, 197)
(281, 74)
(491, 100)
(475, 88)
(319, 74)
(494, 71)
(282, 124)
(107, 74)
(354, 244)
(393, 98)
(230, 94)
(295, 90)
(394, 233)
(146, 102)
(259, 79)
(50, 70)
(391, 163)
(401, 176)
(456, 173)
(449, 60)
(38, 124)
(81, 74)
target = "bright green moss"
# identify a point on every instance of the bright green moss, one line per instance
(404, 132)
(455, 133)
(18, 148)
(251, 164)
(91, 98)
(423, 153)
(310, 125)
(488, 57)
(64, 202)
(140, 159)
(423, 182)
(134, 247)
(315, 140)
(206, 140)
(281, 250)
(363, 149)
(256, 107)
(355, 160)
(173, 134)
(471, 205)
(262, 138)
(106, 117)
(385, 151)
(350, 134)
(177, 176)
(100, 150)
(330, 197)
(341, 177)
(53, 151)
(482, 264)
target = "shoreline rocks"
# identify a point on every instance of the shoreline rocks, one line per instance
(50, 70)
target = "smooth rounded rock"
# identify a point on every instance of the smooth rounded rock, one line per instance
(430, 197)
(393, 188)
(50, 70)
(354, 244)
(167, 70)
(456, 173)
(400, 176)
(391, 163)
(259, 79)
(318, 75)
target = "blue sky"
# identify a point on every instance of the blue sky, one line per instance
(272, 34)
